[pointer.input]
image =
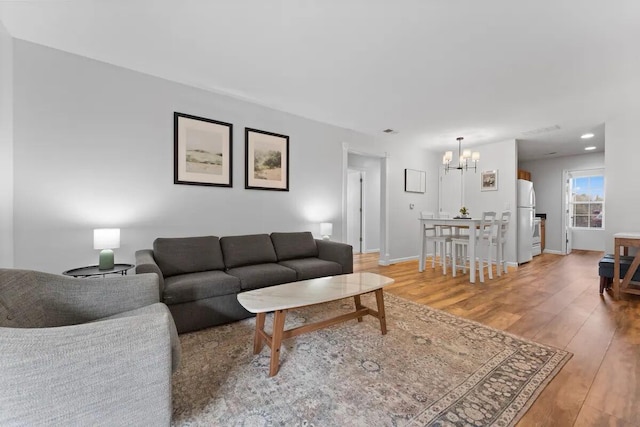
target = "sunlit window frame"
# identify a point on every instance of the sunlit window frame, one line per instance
(572, 204)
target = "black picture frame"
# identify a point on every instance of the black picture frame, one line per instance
(415, 181)
(202, 151)
(266, 160)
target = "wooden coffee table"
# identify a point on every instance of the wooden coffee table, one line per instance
(281, 298)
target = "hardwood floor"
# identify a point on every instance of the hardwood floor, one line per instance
(553, 300)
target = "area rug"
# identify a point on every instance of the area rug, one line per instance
(432, 368)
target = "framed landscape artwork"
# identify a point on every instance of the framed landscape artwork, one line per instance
(202, 151)
(489, 180)
(266, 160)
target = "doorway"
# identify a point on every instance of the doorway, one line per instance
(365, 208)
(584, 209)
(355, 210)
(450, 192)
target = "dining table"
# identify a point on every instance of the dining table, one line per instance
(459, 222)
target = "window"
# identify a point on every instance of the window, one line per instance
(587, 200)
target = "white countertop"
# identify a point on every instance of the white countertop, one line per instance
(627, 235)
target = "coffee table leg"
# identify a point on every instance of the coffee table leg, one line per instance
(276, 341)
(257, 339)
(358, 305)
(381, 315)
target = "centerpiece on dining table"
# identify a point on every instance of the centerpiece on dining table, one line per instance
(464, 213)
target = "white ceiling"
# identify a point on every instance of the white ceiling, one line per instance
(433, 70)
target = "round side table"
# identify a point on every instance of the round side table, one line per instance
(93, 270)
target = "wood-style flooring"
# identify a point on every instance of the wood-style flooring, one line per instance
(554, 300)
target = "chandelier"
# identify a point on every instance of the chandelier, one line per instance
(464, 157)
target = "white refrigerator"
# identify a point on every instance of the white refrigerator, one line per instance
(526, 213)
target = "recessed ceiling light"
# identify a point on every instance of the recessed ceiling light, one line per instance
(587, 136)
(590, 148)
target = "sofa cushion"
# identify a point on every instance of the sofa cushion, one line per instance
(310, 268)
(196, 286)
(247, 250)
(261, 275)
(294, 245)
(182, 255)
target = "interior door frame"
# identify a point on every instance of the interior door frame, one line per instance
(363, 183)
(566, 220)
(384, 197)
(567, 175)
(441, 176)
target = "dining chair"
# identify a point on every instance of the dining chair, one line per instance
(437, 240)
(485, 235)
(446, 233)
(429, 232)
(502, 227)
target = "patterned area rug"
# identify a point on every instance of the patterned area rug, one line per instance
(432, 368)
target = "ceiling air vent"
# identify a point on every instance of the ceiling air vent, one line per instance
(541, 130)
(390, 131)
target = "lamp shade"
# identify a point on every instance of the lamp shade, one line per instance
(106, 238)
(326, 228)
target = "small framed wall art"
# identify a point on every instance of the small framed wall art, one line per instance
(415, 181)
(489, 180)
(266, 160)
(202, 151)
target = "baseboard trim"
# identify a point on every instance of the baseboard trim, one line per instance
(371, 251)
(551, 251)
(409, 258)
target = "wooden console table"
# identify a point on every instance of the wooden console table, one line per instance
(625, 241)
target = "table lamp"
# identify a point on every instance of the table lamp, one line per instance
(106, 239)
(326, 229)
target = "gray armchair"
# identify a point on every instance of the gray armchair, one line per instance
(84, 351)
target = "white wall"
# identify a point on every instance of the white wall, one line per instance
(404, 225)
(500, 156)
(400, 240)
(622, 185)
(94, 148)
(465, 190)
(547, 177)
(371, 192)
(6, 149)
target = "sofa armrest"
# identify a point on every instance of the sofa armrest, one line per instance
(112, 372)
(146, 263)
(336, 252)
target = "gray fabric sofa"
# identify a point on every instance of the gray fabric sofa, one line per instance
(84, 351)
(201, 276)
